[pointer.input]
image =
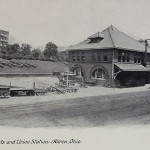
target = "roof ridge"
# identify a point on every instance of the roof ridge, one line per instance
(127, 35)
(131, 38)
(123, 33)
(111, 38)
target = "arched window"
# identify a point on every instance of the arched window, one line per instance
(78, 71)
(98, 73)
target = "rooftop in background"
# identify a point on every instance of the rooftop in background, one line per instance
(4, 34)
(62, 48)
(110, 38)
(3, 31)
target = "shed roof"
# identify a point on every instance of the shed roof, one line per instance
(113, 38)
(131, 67)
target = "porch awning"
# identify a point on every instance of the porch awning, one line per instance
(131, 67)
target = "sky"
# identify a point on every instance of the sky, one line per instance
(68, 22)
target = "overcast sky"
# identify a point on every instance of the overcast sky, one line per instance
(67, 22)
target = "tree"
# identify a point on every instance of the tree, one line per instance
(14, 48)
(13, 51)
(26, 50)
(36, 53)
(50, 51)
(4, 53)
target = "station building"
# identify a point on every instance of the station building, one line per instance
(110, 58)
(4, 37)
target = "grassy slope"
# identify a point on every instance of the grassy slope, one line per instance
(41, 67)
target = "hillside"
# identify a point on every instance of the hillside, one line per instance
(30, 66)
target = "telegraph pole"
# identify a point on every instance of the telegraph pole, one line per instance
(145, 54)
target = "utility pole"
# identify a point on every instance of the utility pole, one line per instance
(112, 70)
(145, 54)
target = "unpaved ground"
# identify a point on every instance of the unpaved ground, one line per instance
(82, 93)
(92, 106)
(27, 82)
(127, 108)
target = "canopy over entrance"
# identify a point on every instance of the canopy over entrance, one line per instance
(131, 74)
(131, 67)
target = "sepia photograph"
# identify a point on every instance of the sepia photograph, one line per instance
(74, 74)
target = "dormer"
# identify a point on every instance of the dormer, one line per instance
(96, 38)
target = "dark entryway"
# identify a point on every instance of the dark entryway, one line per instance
(131, 79)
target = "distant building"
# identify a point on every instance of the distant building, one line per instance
(110, 58)
(63, 56)
(62, 53)
(4, 37)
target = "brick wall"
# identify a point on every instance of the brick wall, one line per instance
(88, 64)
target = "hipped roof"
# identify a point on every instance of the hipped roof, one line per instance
(113, 38)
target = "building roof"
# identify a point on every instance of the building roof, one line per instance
(96, 35)
(3, 31)
(131, 67)
(112, 38)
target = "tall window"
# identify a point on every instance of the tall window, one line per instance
(105, 55)
(73, 58)
(123, 56)
(98, 56)
(139, 58)
(119, 56)
(82, 56)
(78, 56)
(93, 56)
(135, 57)
(128, 57)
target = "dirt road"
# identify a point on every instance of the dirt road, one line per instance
(127, 108)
